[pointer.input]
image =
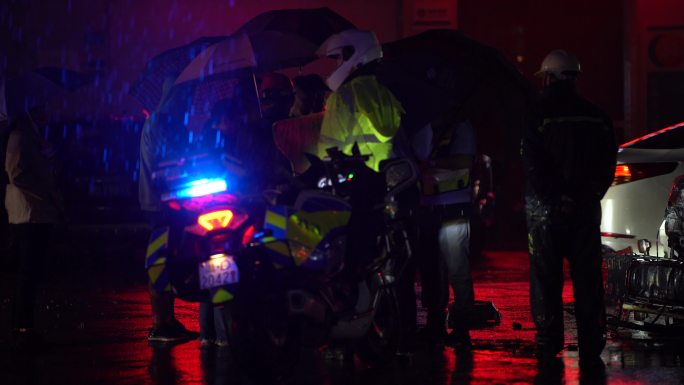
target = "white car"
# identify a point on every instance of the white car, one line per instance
(634, 206)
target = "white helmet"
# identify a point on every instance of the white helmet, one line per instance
(355, 48)
(561, 64)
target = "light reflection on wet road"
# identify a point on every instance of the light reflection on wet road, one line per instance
(98, 328)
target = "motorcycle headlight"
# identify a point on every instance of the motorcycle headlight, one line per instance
(329, 257)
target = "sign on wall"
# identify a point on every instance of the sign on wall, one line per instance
(421, 15)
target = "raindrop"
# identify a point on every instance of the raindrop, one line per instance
(190, 136)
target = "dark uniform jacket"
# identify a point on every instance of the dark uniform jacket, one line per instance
(569, 150)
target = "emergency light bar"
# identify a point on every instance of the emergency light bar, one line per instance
(198, 188)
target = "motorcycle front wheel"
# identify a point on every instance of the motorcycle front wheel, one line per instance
(378, 346)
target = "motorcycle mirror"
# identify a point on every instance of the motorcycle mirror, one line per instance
(644, 246)
(399, 174)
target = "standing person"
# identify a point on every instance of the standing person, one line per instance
(4, 136)
(445, 149)
(276, 95)
(309, 95)
(569, 153)
(360, 109)
(34, 206)
(165, 326)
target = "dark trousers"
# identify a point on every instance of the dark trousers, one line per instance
(31, 241)
(575, 236)
(162, 302)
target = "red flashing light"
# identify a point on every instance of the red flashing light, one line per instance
(174, 205)
(248, 235)
(215, 220)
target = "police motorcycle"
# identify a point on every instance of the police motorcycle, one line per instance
(209, 220)
(323, 268)
(303, 270)
(647, 290)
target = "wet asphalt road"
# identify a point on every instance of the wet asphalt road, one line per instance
(94, 312)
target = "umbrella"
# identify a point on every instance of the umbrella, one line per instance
(443, 71)
(213, 75)
(290, 37)
(227, 57)
(270, 41)
(93, 102)
(170, 63)
(41, 86)
(311, 25)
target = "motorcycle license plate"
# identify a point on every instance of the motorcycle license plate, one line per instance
(218, 271)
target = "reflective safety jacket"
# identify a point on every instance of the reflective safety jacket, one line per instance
(569, 151)
(362, 111)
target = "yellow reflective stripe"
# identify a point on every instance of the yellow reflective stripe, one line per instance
(368, 138)
(453, 184)
(268, 239)
(279, 247)
(329, 141)
(158, 243)
(276, 220)
(221, 296)
(570, 119)
(154, 272)
(160, 261)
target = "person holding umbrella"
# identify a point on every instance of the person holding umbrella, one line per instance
(33, 201)
(34, 206)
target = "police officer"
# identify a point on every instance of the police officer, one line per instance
(154, 143)
(360, 110)
(445, 149)
(569, 153)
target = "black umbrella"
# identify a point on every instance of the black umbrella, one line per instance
(439, 72)
(313, 25)
(170, 63)
(41, 86)
(290, 37)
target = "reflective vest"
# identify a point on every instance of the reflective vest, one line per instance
(361, 111)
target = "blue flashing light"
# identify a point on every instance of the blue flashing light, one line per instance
(202, 187)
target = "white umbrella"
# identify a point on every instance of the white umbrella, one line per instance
(228, 56)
